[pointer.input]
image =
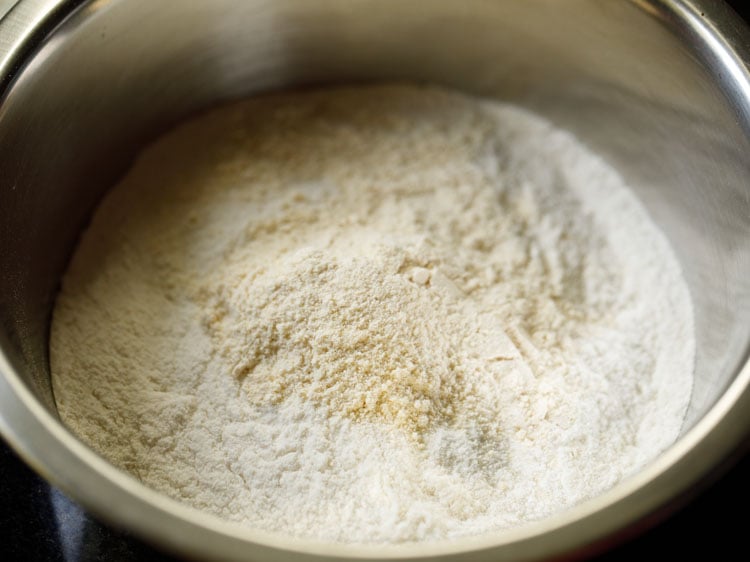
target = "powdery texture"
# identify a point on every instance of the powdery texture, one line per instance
(373, 314)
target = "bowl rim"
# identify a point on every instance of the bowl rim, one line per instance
(55, 453)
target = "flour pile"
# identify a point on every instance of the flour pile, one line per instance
(377, 314)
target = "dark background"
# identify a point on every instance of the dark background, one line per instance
(37, 522)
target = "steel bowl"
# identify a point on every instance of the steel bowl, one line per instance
(660, 88)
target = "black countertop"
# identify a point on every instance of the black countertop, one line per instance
(37, 522)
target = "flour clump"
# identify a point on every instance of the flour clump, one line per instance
(378, 314)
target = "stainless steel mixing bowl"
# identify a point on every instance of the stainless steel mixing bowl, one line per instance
(659, 87)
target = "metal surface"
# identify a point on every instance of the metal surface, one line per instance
(658, 87)
(5, 6)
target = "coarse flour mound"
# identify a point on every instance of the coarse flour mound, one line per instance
(379, 314)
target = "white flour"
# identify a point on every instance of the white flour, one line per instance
(378, 314)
